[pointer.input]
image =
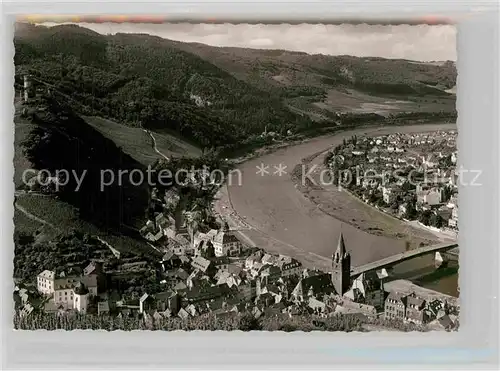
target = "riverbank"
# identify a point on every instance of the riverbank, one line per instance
(342, 204)
(282, 219)
(406, 287)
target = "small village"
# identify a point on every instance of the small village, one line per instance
(214, 273)
(411, 176)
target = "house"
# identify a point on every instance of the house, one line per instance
(247, 290)
(395, 306)
(168, 300)
(445, 213)
(170, 261)
(318, 307)
(199, 237)
(390, 194)
(256, 312)
(183, 314)
(221, 263)
(25, 310)
(176, 276)
(102, 308)
(45, 282)
(271, 271)
(207, 293)
(201, 264)
(453, 221)
(415, 309)
(269, 259)
(446, 322)
(430, 197)
(154, 237)
(402, 209)
(265, 300)
(289, 266)
(161, 221)
(317, 286)
(434, 307)
(227, 244)
(146, 302)
(96, 268)
(366, 289)
(81, 297)
(256, 257)
(62, 288)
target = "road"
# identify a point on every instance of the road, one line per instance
(33, 217)
(154, 144)
(45, 222)
(282, 220)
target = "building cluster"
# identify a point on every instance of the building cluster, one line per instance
(414, 309)
(400, 171)
(201, 281)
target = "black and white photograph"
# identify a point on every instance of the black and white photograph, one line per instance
(253, 177)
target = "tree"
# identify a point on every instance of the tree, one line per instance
(411, 211)
(424, 217)
(249, 323)
(436, 220)
(208, 250)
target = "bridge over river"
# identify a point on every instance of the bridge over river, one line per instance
(449, 248)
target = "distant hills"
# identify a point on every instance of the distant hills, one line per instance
(222, 97)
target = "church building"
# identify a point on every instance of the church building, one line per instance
(341, 268)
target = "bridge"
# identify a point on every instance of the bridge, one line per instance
(450, 248)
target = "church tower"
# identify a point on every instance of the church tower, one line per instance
(341, 268)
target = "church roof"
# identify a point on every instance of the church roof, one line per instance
(341, 245)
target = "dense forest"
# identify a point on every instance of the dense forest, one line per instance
(63, 140)
(213, 97)
(138, 80)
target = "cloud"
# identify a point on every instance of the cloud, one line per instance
(416, 42)
(261, 43)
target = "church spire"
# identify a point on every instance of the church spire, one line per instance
(341, 246)
(341, 267)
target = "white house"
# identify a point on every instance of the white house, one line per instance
(390, 194)
(430, 197)
(80, 297)
(226, 244)
(62, 288)
(45, 282)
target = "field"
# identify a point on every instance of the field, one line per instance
(138, 144)
(357, 102)
(24, 224)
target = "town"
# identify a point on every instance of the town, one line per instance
(411, 176)
(96, 254)
(214, 273)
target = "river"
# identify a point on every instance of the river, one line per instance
(283, 220)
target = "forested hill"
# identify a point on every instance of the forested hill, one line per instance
(215, 97)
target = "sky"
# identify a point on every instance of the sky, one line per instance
(420, 42)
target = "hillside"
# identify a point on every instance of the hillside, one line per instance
(60, 139)
(221, 97)
(324, 84)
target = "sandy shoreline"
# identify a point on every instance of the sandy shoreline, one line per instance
(341, 204)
